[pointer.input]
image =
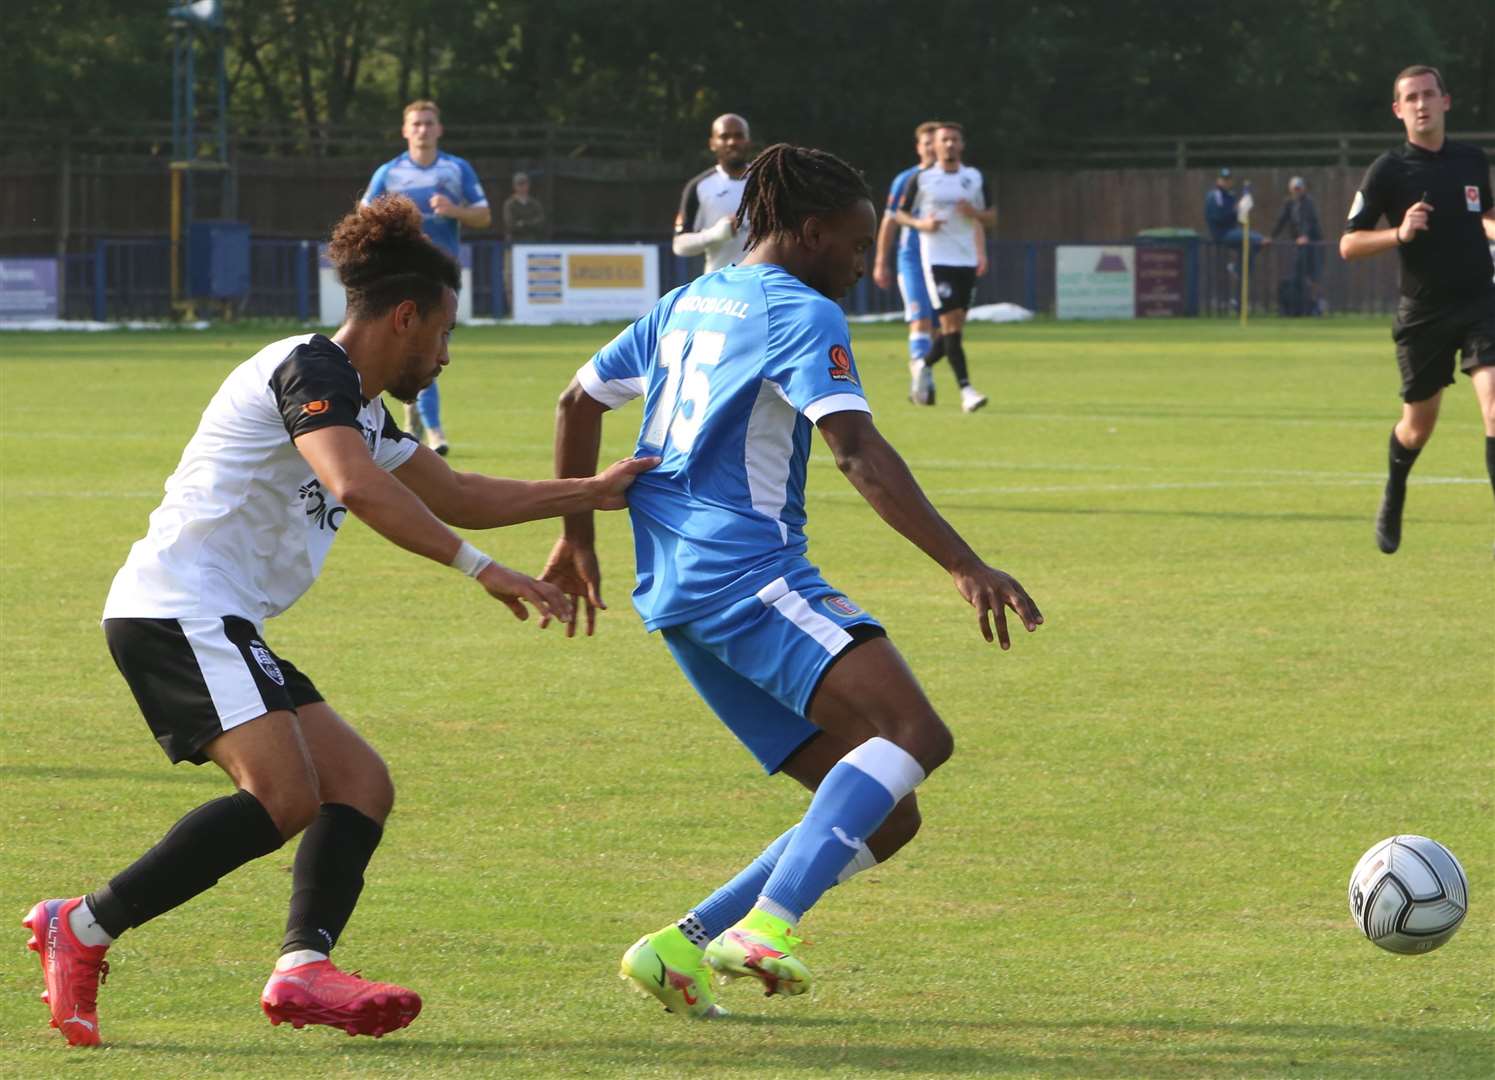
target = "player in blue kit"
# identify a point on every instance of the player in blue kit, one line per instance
(735, 370)
(448, 194)
(907, 268)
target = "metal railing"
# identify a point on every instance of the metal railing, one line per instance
(129, 278)
(1210, 151)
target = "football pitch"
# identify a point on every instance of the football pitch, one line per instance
(1135, 865)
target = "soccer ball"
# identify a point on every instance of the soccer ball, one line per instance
(1408, 894)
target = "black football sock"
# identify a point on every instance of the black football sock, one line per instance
(211, 841)
(1400, 462)
(936, 351)
(956, 350)
(328, 876)
(1490, 458)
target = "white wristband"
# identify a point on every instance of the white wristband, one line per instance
(470, 560)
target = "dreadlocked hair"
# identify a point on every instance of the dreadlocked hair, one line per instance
(383, 258)
(787, 184)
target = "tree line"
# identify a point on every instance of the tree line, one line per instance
(851, 75)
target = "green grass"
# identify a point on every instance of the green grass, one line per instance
(1134, 866)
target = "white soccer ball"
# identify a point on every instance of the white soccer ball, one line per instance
(1408, 894)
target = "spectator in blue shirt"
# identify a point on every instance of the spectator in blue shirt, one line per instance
(1219, 210)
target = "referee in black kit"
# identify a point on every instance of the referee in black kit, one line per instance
(1435, 193)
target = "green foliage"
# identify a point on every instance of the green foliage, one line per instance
(853, 74)
(1134, 866)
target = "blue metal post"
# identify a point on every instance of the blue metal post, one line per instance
(1030, 276)
(100, 281)
(496, 277)
(303, 280)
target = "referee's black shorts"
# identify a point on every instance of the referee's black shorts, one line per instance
(1427, 338)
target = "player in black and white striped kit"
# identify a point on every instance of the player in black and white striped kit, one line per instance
(948, 203)
(295, 439)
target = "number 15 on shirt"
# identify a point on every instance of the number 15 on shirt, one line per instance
(681, 407)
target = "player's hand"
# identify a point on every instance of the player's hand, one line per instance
(612, 482)
(513, 589)
(1413, 222)
(928, 224)
(1301, 241)
(966, 209)
(441, 206)
(981, 264)
(990, 591)
(572, 567)
(882, 276)
(731, 222)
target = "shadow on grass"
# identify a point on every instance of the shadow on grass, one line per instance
(1072, 1048)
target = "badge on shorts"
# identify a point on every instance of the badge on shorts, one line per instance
(1471, 197)
(266, 662)
(839, 605)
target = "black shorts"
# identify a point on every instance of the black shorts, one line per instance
(194, 679)
(1428, 337)
(951, 288)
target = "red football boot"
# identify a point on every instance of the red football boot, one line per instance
(318, 993)
(72, 970)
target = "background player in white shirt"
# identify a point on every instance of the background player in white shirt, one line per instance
(707, 220)
(295, 439)
(951, 207)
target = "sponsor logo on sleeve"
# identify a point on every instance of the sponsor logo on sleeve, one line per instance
(315, 408)
(1358, 205)
(1471, 197)
(841, 368)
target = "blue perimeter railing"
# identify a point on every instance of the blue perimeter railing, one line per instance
(131, 279)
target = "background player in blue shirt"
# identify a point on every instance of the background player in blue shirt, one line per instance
(906, 265)
(446, 190)
(735, 369)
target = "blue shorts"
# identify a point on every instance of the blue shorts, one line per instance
(916, 304)
(758, 662)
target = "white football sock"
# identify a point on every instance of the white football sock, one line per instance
(86, 928)
(299, 957)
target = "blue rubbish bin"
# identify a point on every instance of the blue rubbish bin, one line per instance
(218, 260)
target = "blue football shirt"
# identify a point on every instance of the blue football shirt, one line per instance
(908, 239)
(734, 369)
(448, 174)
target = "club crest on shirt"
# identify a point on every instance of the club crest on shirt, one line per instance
(266, 662)
(1471, 197)
(839, 605)
(841, 369)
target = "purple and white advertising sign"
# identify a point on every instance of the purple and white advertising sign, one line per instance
(28, 289)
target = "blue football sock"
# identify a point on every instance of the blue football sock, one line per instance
(429, 405)
(919, 346)
(852, 801)
(726, 907)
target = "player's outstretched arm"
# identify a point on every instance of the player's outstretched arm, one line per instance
(341, 460)
(887, 237)
(572, 565)
(698, 243)
(882, 477)
(474, 501)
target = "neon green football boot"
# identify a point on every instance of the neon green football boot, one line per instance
(761, 946)
(667, 966)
